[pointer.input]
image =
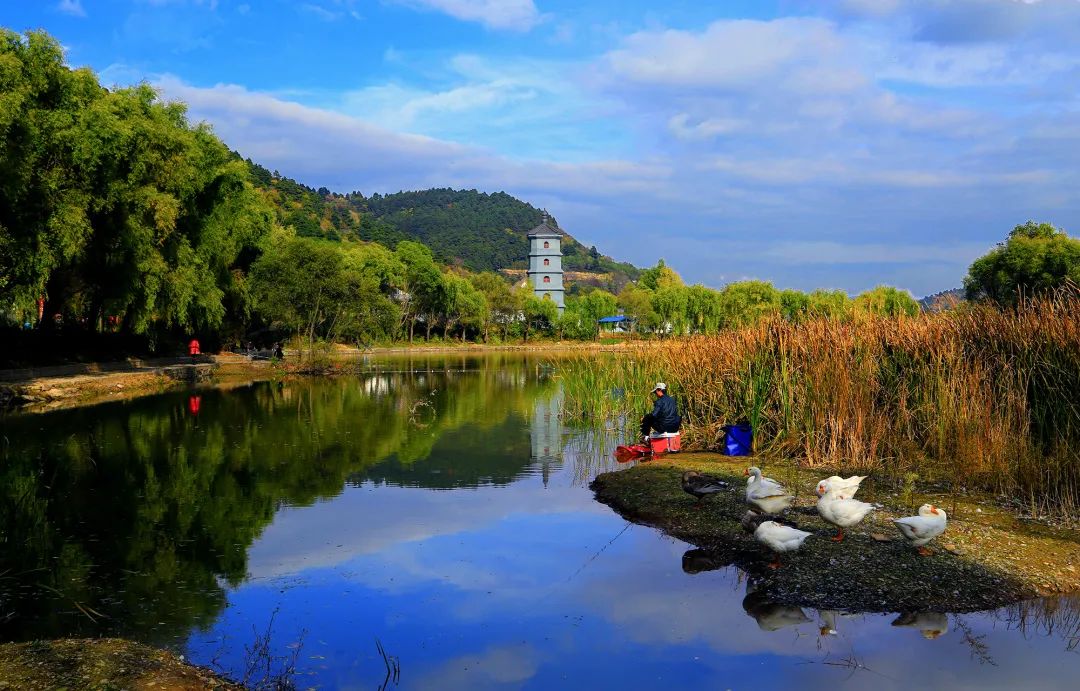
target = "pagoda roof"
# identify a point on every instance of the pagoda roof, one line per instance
(545, 231)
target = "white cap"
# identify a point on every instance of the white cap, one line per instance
(660, 385)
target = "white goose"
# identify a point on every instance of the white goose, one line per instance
(843, 513)
(921, 529)
(780, 538)
(845, 487)
(765, 494)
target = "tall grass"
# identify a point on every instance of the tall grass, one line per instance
(980, 398)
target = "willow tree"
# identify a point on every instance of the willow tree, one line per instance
(112, 203)
(886, 301)
(45, 203)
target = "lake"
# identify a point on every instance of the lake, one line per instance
(436, 508)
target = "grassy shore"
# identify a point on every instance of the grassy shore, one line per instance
(979, 398)
(103, 663)
(987, 558)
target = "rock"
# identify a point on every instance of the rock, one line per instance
(881, 537)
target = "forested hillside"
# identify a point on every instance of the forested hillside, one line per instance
(477, 230)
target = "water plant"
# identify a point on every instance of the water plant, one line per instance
(980, 397)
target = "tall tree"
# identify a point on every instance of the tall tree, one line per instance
(503, 306)
(111, 202)
(1035, 258)
(746, 302)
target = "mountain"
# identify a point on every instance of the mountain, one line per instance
(945, 300)
(476, 230)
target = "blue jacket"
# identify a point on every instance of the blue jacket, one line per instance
(666, 413)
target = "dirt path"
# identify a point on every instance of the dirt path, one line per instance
(74, 385)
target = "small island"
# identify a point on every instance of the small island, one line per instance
(987, 558)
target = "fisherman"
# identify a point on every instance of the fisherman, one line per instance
(664, 416)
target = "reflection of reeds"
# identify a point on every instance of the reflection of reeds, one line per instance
(590, 452)
(980, 397)
(1051, 616)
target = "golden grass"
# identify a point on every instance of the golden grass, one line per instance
(979, 397)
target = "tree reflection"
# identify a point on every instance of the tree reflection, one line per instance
(131, 518)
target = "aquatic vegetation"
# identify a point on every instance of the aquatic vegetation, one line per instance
(982, 398)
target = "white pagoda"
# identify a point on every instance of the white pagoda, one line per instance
(545, 263)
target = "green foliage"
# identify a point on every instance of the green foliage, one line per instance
(502, 302)
(703, 309)
(886, 301)
(829, 304)
(636, 303)
(1035, 258)
(579, 319)
(659, 276)
(424, 288)
(746, 302)
(670, 302)
(539, 315)
(112, 205)
(464, 304)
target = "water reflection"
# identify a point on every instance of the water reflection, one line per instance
(699, 560)
(134, 518)
(441, 508)
(771, 616)
(930, 624)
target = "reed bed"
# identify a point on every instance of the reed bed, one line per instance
(978, 398)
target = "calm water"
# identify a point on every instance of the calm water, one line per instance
(439, 508)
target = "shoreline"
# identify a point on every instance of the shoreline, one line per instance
(68, 386)
(102, 663)
(987, 558)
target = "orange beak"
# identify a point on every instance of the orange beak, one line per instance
(933, 509)
(746, 473)
(820, 490)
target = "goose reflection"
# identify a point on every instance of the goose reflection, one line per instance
(697, 560)
(829, 620)
(771, 616)
(930, 624)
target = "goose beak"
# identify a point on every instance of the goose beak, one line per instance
(933, 509)
(746, 473)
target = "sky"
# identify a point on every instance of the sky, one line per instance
(814, 144)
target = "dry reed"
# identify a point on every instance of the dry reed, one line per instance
(979, 397)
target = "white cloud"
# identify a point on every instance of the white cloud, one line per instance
(733, 54)
(514, 15)
(72, 7)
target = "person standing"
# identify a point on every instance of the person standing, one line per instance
(664, 416)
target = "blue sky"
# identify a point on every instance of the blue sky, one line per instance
(835, 143)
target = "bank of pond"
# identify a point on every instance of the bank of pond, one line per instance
(987, 558)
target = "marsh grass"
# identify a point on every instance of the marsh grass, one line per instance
(977, 398)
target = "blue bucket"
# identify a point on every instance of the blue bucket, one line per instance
(738, 440)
